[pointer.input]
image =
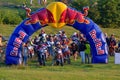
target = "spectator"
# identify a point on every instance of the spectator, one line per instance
(50, 44)
(74, 49)
(87, 53)
(112, 45)
(82, 48)
(107, 39)
(1, 40)
(25, 53)
(119, 46)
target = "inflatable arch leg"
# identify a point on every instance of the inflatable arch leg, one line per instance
(57, 15)
(96, 39)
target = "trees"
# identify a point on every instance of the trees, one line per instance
(9, 17)
(103, 12)
(79, 4)
(109, 12)
(94, 14)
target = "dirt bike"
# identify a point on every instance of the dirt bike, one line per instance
(59, 57)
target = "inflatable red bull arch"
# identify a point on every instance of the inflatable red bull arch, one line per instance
(57, 14)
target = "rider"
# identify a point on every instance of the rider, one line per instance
(66, 50)
(58, 54)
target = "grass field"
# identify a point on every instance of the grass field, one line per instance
(74, 71)
(7, 30)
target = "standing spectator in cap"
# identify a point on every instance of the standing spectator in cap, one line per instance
(82, 47)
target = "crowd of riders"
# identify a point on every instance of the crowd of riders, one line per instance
(58, 47)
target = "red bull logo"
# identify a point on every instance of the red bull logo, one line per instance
(81, 18)
(40, 16)
(69, 16)
(58, 10)
(56, 15)
(50, 17)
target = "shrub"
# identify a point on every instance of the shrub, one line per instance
(2, 16)
(11, 18)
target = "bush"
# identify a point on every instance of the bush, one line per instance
(22, 13)
(11, 18)
(2, 16)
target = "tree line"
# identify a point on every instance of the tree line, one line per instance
(104, 12)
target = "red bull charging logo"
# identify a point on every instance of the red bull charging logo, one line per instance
(57, 15)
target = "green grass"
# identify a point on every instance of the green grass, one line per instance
(7, 30)
(75, 71)
(110, 31)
